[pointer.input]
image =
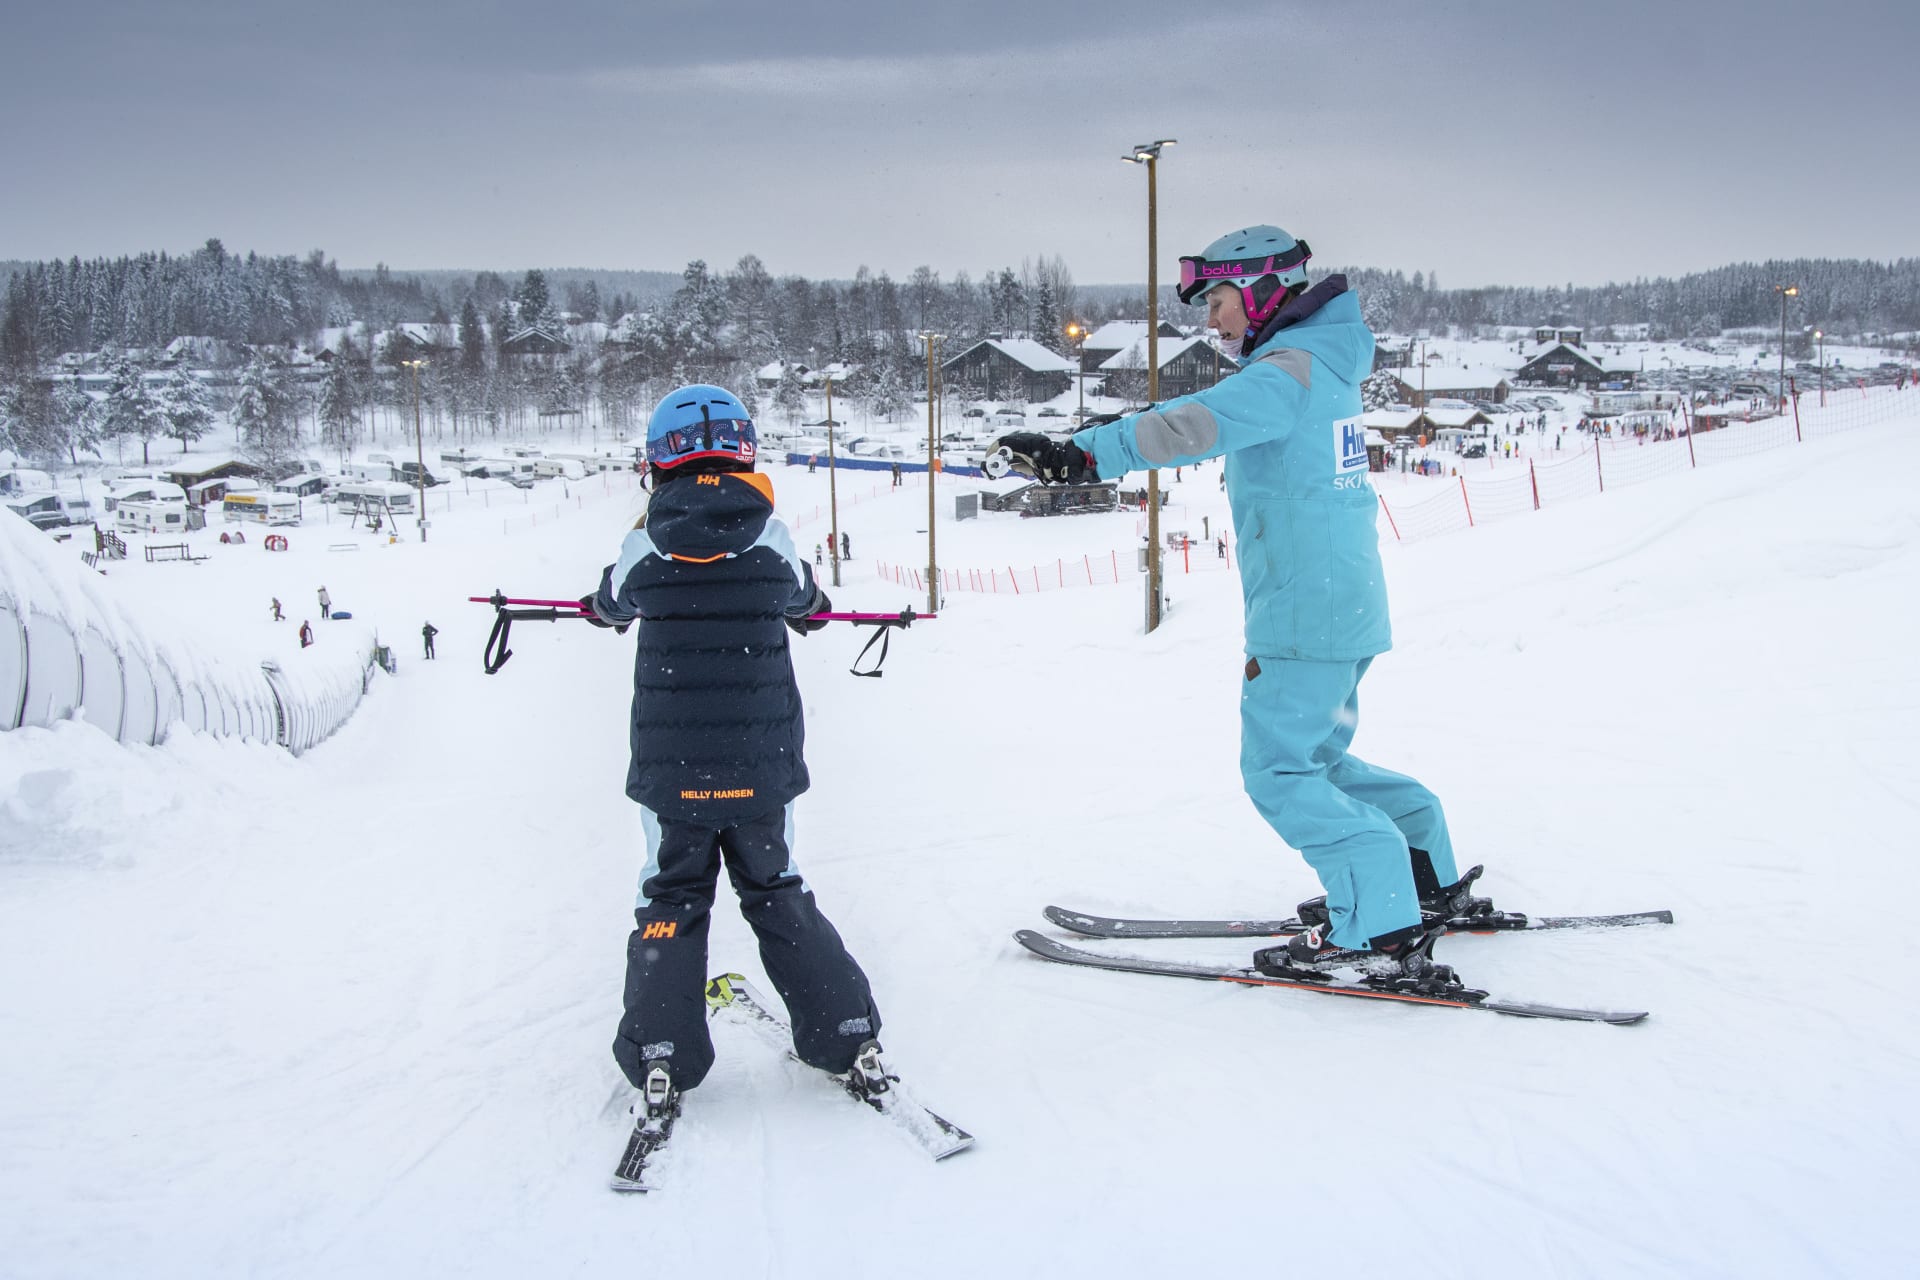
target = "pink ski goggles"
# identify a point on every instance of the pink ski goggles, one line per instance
(1197, 275)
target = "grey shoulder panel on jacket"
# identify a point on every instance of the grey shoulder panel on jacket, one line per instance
(1292, 360)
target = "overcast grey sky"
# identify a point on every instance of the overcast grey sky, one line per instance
(1490, 141)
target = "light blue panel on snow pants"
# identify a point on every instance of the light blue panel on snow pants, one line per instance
(1350, 820)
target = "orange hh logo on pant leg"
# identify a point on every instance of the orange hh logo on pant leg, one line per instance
(660, 929)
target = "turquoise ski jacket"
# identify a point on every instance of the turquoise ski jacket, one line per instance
(1288, 424)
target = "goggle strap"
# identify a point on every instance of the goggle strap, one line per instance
(1231, 268)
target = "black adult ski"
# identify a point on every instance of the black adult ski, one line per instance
(654, 1113)
(1334, 984)
(1097, 926)
(869, 1082)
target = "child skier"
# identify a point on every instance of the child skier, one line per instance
(714, 582)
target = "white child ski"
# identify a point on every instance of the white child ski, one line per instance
(870, 1081)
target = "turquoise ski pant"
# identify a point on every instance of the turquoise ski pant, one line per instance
(1352, 821)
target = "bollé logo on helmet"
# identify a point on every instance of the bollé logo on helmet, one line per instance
(1214, 270)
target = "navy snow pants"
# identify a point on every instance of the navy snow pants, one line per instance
(826, 993)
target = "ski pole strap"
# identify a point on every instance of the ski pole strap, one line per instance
(876, 672)
(885, 622)
(496, 653)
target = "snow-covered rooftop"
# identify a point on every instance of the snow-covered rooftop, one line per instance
(1116, 335)
(1027, 352)
(1135, 356)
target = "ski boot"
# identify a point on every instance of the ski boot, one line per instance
(653, 1115)
(1454, 901)
(868, 1078)
(1305, 951)
(1408, 967)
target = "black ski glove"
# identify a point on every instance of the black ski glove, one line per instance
(1046, 460)
(801, 623)
(592, 615)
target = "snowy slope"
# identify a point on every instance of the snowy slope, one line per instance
(348, 1015)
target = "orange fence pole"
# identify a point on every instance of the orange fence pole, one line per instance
(1389, 510)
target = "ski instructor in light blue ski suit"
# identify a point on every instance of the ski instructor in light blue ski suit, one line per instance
(1288, 425)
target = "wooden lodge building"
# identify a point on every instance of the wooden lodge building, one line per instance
(1010, 369)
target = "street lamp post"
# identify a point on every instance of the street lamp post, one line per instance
(1078, 332)
(1785, 291)
(419, 449)
(833, 489)
(933, 466)
(1149, 155)
(1820, 336)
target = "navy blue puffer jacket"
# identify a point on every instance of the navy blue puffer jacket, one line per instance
(717, 729)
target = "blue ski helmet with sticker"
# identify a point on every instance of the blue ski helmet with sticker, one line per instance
(1264, 262)
(700, 421)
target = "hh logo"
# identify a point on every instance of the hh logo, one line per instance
(1349, 447)
(660, 929)
(712, 480)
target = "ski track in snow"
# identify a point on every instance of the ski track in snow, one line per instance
(348, 1015)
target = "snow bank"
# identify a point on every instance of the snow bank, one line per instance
(68, 648)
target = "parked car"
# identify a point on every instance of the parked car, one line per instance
(42, 511)
(412, 471)
(977, 411)
(1048, 411)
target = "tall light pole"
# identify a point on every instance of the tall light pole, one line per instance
(1785, 291)
(833, 489)
(1149, 154)
(933, 466)
(419, 450)
(1820, 336)
(1078, 332)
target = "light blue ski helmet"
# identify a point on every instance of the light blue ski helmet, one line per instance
(700, 421)
(1264, 262)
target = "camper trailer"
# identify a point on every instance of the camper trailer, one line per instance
(379, 495)
(262, 508)
(304, 485)
(151, 517)
(144, 491)
(518, 472)
(369, 471)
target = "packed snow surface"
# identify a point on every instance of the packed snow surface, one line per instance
(348, 1015)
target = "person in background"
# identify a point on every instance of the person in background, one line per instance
(427, 633)
(846, 545)
(277, 616)
(306, 634)
(326, 605)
